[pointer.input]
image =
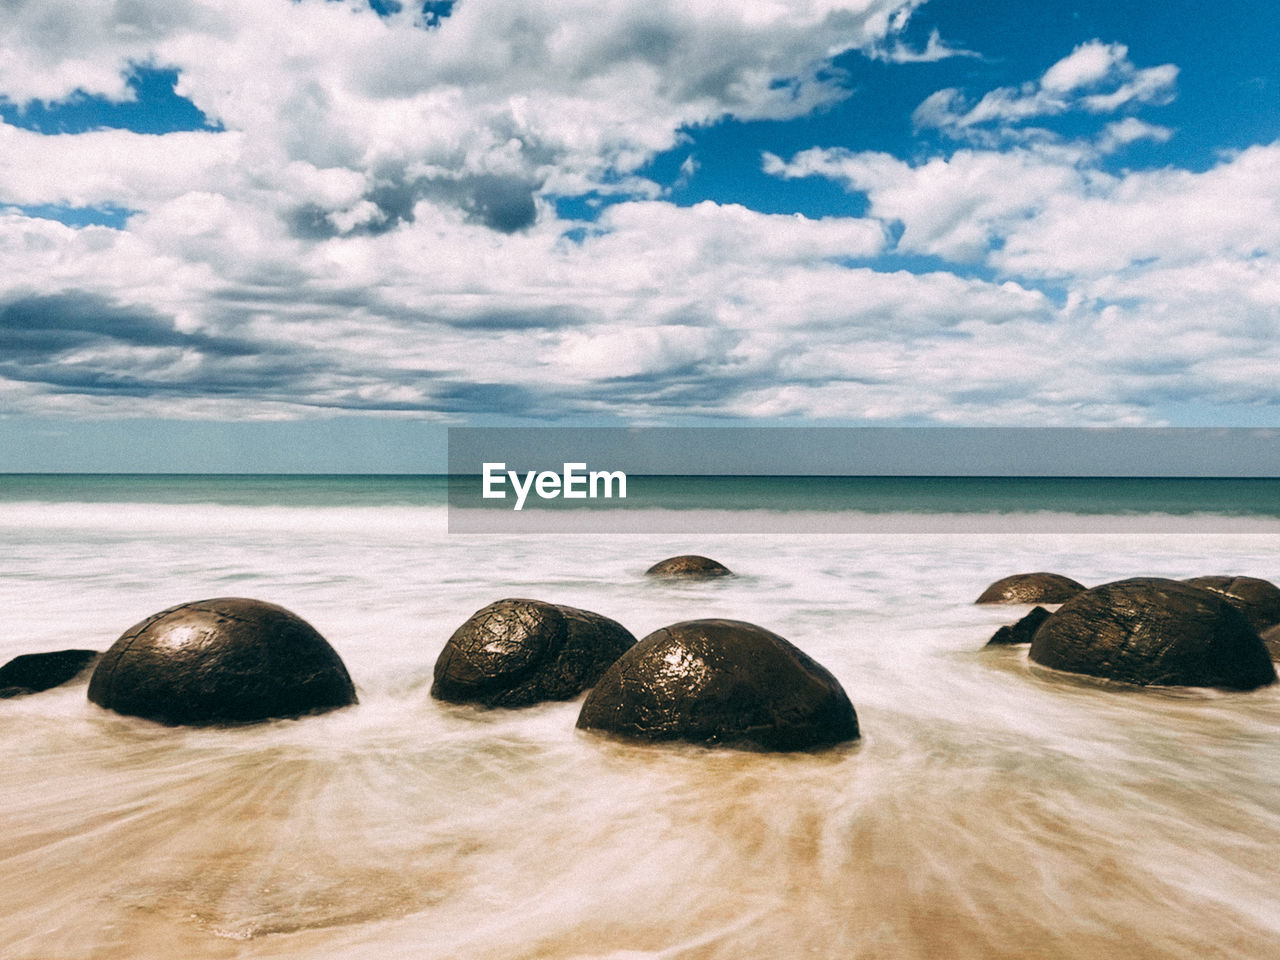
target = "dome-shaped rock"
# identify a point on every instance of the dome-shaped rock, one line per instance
(1148, 630)
(1257, 599)
(221, 661)
(1271, 637)
(34, 672)
(688, 566)
(720, 682)
(516, 652)
(1031, 588)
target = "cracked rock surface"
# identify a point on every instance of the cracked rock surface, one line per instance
(518, 652)
(1152, 631)
(721, 682)
(223, 661)
(1031, 588)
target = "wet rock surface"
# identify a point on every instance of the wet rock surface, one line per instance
(35, 672)
(1257, 599)
(721, 682)
(1152, 631)
(1031, 588)
(517, 652)
(688, 567)
(1020, 632)
(227, 660)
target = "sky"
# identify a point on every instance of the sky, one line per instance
(272, 235)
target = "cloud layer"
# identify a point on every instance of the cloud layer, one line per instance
(372, 226)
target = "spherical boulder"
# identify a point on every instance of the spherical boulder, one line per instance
(688, 566)
(1022, 631)
(517, 652)
(720, 682)
(34, 672)
(1031, 588)
(1152, 631)
(1257, 599)
(228, 660)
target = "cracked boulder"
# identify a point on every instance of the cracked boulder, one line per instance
(34, 672)
(517, 652)
(224, 661)
(1257, 599)
(688, 567)
(720, 682)
(1031, 588)
(1152, 631)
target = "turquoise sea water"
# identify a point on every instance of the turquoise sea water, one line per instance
(1241, 497)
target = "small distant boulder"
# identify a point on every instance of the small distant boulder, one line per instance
(1022, 631)
(517, 652)
(34, 672)
(1031, 588)
(688, 567)
(1152, 631)
(720, 682)
(1257, 599)
(228, 660)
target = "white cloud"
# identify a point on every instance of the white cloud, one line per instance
(371, 230)
(1096, 77)
(935, 49)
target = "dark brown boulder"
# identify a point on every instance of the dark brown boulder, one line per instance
(518, 652)
(1031, 588)
(1257, 599)
(34, 672)
(1148, 630)
(720, 682)
(688, 567)
(223, 661)
(1022, 631)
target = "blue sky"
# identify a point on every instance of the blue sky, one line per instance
(311, 235)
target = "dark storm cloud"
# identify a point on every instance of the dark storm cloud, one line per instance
(37, 327)
(85, 343)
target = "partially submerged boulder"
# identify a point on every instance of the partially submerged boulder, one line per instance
(517, 652)
(223, 661)
(688, 566)
(720, 682)
(1152, 631)
(1257, 599)
(1020, 632)
(35, 672)
(1031, 588)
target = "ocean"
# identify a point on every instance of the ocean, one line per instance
(991, 810)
